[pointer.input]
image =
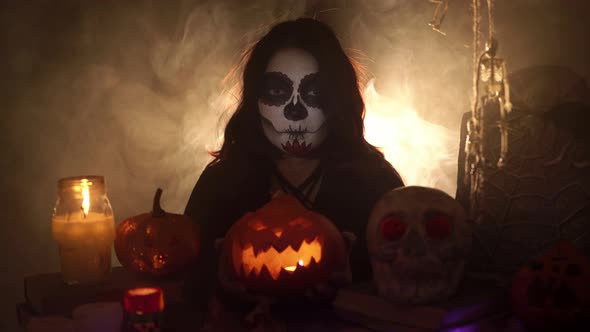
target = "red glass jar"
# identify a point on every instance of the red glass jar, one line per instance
(144, 308)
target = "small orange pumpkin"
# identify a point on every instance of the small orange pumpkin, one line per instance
(553, 292)
(157, 243)
(283, 248)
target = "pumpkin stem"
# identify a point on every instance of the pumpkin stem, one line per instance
(157, 210)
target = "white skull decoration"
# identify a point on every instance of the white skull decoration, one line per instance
(418, 239)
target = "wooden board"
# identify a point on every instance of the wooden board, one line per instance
(474, 301)
(47, 294)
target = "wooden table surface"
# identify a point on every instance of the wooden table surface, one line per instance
(46, 294)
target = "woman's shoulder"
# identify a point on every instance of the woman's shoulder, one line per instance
(229, 167)
(216, 171)
(217, 168)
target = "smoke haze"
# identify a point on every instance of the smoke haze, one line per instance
(135, 92)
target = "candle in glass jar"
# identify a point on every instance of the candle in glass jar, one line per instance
(144, 309)
(84, 228)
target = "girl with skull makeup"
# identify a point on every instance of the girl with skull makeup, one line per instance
(298, 128)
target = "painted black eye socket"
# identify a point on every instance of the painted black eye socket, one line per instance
(276, 89)
(277, 92)
(309, 90)
(299, 224)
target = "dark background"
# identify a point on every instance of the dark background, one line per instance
(134, 90)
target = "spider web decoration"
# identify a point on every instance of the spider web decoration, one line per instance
(524, 200)
(541, 195)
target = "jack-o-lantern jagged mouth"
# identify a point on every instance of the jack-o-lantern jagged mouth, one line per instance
(290, 260)
(541, 293)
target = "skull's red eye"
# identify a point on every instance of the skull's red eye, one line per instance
(393, 228)
(438, 226)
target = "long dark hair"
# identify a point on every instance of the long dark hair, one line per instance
(339, 90)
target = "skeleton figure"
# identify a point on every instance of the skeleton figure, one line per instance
(289, 102)
(418, 239)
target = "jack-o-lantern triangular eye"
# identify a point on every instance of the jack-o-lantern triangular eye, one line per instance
(299, 223)
(257, 225)
(438, 226)
(393, 228)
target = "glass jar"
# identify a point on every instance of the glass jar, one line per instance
(84, 228)
(144, 309)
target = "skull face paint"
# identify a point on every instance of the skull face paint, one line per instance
(288, 102)
(418, 239)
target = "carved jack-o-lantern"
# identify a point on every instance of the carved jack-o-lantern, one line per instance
(418, 239)
(554, 291)
(283, 248)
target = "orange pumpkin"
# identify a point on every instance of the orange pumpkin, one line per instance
(553, 292)
(283, 248)
(157, 243)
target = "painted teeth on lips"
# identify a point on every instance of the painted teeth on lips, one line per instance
(296, 147)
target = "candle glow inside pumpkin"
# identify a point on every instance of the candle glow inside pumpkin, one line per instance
(275, 260)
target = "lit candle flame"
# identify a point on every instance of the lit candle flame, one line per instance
(85, 186)
(293, 267)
